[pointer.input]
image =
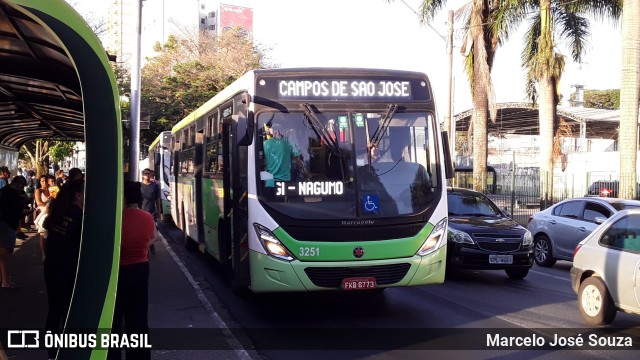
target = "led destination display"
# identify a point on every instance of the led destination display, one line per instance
(309, 188)
(371, 89)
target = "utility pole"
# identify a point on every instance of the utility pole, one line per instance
(449, 123)
(134, 154)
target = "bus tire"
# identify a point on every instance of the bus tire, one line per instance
(241, 291)
(225, 252)
(189, 244)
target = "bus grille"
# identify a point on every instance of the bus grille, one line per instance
(331, 277)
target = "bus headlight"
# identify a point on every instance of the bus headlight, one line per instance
(271, 244)
(434, 239)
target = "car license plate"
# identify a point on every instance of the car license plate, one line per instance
(359, 283)
(500, 259)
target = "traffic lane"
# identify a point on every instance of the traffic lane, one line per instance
(420, 307)
(543, 299)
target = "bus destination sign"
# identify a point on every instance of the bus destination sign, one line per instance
(381, 89)
(344, 89)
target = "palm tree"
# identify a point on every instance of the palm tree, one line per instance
(567, 21)
(629, 94)
(480, 47)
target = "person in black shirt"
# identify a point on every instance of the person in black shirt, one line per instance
(64, 227)
(13, 206)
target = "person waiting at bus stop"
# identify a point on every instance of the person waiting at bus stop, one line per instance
(62, 248)
(132, 298)
(151, 201)
(12, 207)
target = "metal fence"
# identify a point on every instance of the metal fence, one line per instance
(519, 192)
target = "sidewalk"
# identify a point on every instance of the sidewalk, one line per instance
(175, 302)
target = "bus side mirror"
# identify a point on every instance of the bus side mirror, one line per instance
(448, 163)
(156, 158)
(245, 123)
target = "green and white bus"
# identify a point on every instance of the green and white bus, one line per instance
(316, 179)
(160, 163)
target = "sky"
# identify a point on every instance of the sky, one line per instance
(379, 34)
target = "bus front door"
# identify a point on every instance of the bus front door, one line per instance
(234, 243)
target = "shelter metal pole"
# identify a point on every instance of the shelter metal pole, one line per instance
(134, 157)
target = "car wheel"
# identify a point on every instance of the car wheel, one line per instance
(542, 251)
(517, 273)
(595, 303)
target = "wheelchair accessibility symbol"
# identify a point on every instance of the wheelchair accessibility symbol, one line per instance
(370, 203)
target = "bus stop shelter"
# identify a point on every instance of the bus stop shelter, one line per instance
(56, 83)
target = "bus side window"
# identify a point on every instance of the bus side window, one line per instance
(212, 157)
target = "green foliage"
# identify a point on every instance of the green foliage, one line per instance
(602, 99)
(189, 70)
(61, 149)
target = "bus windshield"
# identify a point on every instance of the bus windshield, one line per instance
(329, 165)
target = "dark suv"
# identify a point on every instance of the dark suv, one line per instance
(483, 237)
(604, 188)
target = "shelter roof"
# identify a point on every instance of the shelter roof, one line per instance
(40, 95)
(521, 118)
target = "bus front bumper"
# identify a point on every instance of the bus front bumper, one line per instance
(272, 275)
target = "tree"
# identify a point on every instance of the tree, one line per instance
(485, 32)
(567, 21)
(37, 153)
(482, 43)
(61, 150)
(602, 99)
(629, 94)
(190, 68)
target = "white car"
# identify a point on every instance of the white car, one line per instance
(606, 269)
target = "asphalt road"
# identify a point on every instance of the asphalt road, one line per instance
(450, 320)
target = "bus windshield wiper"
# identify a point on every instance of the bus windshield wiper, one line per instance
(382, 128)
(320, 130)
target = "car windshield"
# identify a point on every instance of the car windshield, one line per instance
(322, 165)
(470, 204)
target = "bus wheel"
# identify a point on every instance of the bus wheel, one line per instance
(225, 252)
(240, 290)
(189, 244)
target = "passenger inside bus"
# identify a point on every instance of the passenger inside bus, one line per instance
(279, 155)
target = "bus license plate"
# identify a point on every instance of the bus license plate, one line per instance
(359, 283)
(500, 259)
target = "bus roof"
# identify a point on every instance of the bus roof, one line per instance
(245, 82)
(157, 139)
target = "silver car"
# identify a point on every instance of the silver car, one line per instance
(557, 230)
(605, 272)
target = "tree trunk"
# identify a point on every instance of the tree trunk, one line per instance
(479, 118)
(546, 119)
(480, 98)
(546, 102)
(629, 94)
